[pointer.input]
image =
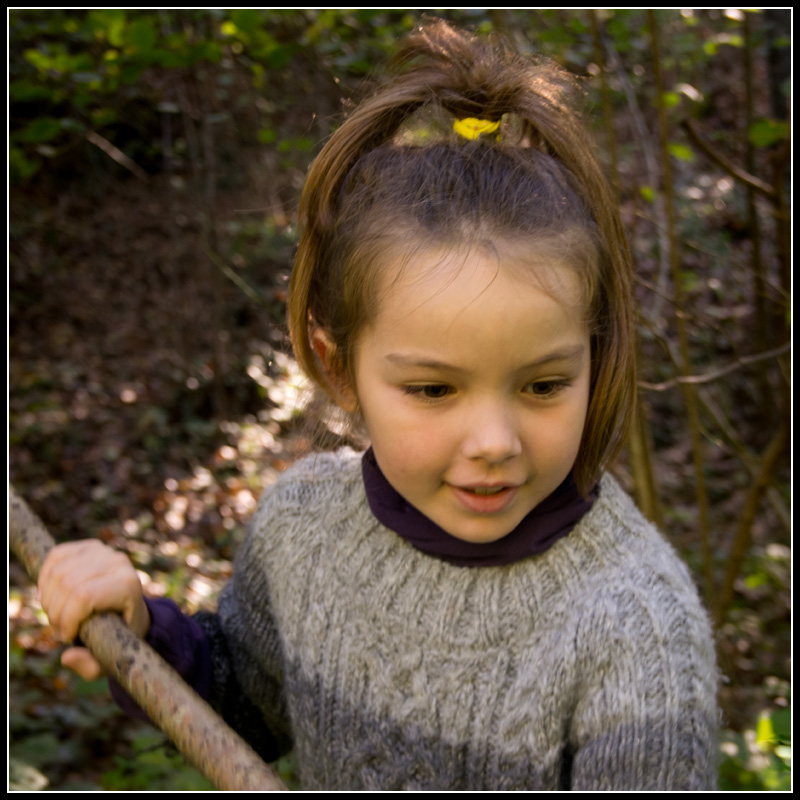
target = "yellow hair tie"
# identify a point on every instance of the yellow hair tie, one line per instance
(471, 128)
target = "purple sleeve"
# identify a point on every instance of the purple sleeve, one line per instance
(181, 642)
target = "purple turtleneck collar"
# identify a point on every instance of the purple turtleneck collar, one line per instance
(551, 520)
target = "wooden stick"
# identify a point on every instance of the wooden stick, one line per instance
(196, 730)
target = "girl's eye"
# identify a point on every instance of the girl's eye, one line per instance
(428, 391)
(546, 389)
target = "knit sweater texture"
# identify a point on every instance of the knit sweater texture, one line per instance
(588, 667)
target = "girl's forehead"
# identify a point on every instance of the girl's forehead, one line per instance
(463, 273)
(475, 315)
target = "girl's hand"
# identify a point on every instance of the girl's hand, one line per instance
(79, 578)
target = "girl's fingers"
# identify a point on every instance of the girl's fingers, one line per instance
(79, 578)
(71, 609)
(65, 570)
(108, 592)
(80, 660)
(68, 565)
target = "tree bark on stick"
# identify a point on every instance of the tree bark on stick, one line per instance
(196, 730)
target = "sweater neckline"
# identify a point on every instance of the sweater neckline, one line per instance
(551, 520)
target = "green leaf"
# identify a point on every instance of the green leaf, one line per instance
(689, 280)
(766, 132)
(109, 24)
(246, 19)
(267, 136)
(301, 143)
(647, 193)
(280, 56)
(103, 116)
(141, 35)
(42, 129)
(24, 92)
(782, 724)
(98, 687)
(765, 733)
(733, 39)
(670, 99)
(166, 58)
(756, 580)
(39, 60)
(20, 166)
(45, 749)
(204, 51)
(130, 73)
(681, 151)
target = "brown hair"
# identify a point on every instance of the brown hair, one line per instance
(395, 172)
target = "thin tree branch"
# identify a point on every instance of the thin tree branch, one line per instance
(115, 153)
(693, 418)
(718, 373)
(605, 95)
(203, 738)
(744, 531)
(691, 316)
(749, 460)
(703, 395)
(235, 277)
(733, 260)
(651, 168)
(735, 172)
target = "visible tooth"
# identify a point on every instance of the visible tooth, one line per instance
(487, 490)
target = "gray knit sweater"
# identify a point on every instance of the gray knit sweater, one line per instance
(589, 667)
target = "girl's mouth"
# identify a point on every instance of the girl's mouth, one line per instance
(486, 490)
(485, 499)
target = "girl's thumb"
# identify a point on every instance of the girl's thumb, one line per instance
(80, 660)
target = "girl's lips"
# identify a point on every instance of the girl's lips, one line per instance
(481, 503)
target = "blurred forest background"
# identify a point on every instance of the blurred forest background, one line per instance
(156, 159)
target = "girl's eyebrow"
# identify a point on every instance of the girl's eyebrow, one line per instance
(571, 353)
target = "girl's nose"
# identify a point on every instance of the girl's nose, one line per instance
(492, 436)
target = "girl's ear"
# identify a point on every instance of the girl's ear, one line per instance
(340, 384)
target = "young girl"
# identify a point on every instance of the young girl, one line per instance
(472, 604)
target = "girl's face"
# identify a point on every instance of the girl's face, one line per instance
(473, 383)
